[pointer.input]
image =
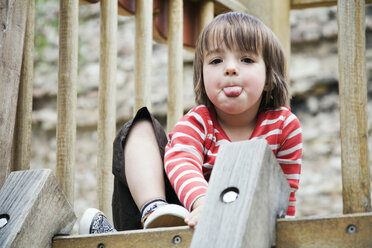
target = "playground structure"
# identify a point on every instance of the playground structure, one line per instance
(178, 30)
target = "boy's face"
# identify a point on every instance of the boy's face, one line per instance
(234, 80)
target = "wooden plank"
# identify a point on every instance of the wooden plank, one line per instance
(155, 238)
(13, 25)
(107, 105)
(21, 153)
(302, 4)
(175, 63)
(353, 106)
(35, 208)
(143, 56)
(352, 230)
(275, 14)
(67, 96)
(246, 193)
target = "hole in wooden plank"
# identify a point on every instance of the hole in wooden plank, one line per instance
(351, 229)
(3, 220)
(229, 195)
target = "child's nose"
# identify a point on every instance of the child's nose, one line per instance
(231, 71)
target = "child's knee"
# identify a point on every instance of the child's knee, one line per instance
(142, 126)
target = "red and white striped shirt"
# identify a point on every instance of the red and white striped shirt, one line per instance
(194, 143)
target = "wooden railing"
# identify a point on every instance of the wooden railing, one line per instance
(352, 84)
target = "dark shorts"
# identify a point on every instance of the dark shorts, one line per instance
(125, 213)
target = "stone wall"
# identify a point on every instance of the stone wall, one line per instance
(314, 86)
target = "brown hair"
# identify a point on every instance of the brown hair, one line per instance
(250, 35)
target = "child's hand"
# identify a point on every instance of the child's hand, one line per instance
(193, 217)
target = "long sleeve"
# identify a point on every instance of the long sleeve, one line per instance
(289, 157)
(184, 158)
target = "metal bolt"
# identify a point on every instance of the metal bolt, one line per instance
(351, 229)
(101, 245)
(177, 240)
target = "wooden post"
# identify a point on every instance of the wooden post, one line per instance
(275, 14)
(206, 13)
(66, 98)
(353, 106)
(175, 63)
(143, 57)
(22, 136)
(107, 105)
(33, 210)
(12, 28)
(246, 193)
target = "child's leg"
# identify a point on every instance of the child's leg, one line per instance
(138, 155)
(143, 164)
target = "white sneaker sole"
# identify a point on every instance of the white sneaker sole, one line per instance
(86, 220)
(167, 216)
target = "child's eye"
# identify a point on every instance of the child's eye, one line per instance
(247, 60)
(216, 61)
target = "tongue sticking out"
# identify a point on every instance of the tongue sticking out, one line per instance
(232, 91)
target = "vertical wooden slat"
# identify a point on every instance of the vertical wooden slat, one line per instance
(353, 106)
(206, 12)
(22, 136)
(66, 98)
(107, 106)
(12, 28)
(175, 63)
(143, 56)
(275, 14)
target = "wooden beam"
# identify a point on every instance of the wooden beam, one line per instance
(107, 105)
(175, 63)
(230, 5)
(13, 16)
(353, 106)
(21, 153)
(247, 191)
(67, 96)
(33, 209)
(143, 57)
(303, 4)
(352, 230)
(179, 237)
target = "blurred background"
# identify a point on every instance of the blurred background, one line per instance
(314, 87)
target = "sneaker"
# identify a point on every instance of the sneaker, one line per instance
(94, 221)
(166, 216)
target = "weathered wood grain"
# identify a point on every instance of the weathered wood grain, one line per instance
(107, 105)
(36, 207)
(175, 63)
(13, 16)
(21, 152)
(353, 106)
(250, 168)
(179, 237)
(67, 96)
(143, 56)
(351, 230)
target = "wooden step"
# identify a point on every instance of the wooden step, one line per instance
(155, 238)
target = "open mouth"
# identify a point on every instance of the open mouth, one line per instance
(232, 91)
